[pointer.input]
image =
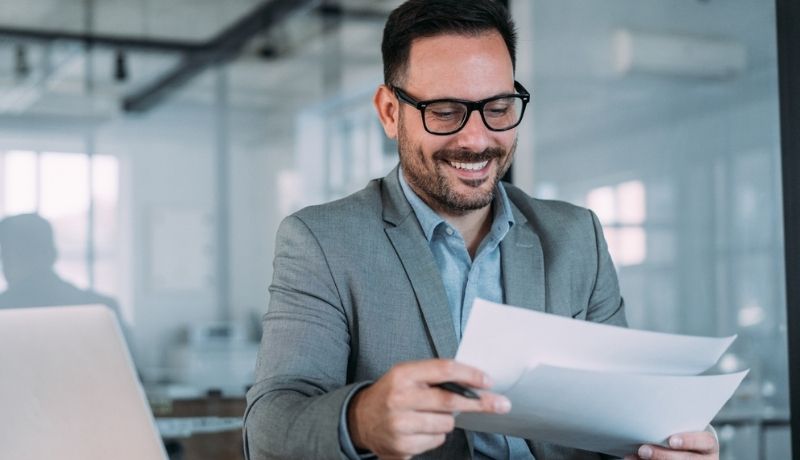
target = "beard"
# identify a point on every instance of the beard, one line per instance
(432, 184)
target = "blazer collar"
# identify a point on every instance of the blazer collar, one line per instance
(521, 254)
(405, 234)
(396, 208)
(522, 262)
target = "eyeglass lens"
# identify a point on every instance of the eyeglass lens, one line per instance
(448, 116)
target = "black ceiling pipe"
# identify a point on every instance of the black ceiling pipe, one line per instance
(222, 48)
(108, 41)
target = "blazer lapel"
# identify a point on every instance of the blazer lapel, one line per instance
(522, 262)
(415, 255)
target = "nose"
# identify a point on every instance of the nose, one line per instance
(474, 136)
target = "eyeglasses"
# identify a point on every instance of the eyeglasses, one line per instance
(448, 116)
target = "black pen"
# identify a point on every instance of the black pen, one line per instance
(459, 389)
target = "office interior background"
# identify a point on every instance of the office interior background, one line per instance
(166, 139)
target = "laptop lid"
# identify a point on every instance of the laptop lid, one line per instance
(68, 388)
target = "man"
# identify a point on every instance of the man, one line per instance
(28, 254)
(371, 293)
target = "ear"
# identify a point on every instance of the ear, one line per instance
(388, 110)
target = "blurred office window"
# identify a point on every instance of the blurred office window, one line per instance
(621, 209)
(105, 222)
(20, 194)
(57, 185)
(663, 118)
(64, 201)
(340, 147)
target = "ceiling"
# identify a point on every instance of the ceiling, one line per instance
(192, 20)
(309, 56)
(272, 68)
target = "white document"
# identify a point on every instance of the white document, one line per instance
(591, 386)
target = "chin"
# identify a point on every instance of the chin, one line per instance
(465, 202)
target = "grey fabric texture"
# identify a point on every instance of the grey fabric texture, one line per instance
(356, 290)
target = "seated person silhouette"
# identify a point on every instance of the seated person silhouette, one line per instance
(28, 254)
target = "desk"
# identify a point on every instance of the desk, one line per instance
(215, 435)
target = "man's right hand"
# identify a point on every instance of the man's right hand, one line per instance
(403, 414)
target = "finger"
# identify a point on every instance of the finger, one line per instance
(439, 400)
(650, 452)
(434, 371)
(490, 403)
(700, 441)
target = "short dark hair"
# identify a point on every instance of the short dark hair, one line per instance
(427, 18)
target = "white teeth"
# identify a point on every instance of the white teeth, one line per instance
(470, 166)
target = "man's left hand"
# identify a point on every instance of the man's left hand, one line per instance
(700, 445)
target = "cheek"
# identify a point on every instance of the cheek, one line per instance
(429, 150)
(423, 154)
(508, 139)
(423, 147)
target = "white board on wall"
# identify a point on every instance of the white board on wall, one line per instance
(181, 250)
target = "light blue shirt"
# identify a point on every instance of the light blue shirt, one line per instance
(466, 278)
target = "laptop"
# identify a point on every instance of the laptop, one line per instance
(68, 388)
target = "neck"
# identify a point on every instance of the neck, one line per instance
(472, 225)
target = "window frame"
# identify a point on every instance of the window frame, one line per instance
(90, 252)
(787, 15)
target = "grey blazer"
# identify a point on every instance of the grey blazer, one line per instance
(357, 290)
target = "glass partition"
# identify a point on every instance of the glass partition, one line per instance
(664, 119)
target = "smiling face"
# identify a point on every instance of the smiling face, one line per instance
(456, 173)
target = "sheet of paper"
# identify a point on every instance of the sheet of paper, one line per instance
(504, 341)
(606, 412)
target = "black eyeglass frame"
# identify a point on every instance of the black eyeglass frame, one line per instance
(472, 106)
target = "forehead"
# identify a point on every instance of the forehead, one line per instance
(469, 66)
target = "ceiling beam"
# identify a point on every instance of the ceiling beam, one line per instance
(224, 47)
(357, 14)
(197, 56)
(110, 41)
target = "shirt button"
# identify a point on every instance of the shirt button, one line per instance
(449, 231)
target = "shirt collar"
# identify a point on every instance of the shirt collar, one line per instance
(503, 218)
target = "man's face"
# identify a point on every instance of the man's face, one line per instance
(456, 173)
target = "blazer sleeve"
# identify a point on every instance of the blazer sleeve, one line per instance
(293, 409)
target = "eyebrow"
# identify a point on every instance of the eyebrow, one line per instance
(453, 98)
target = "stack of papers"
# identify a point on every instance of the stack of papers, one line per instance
(592, 386)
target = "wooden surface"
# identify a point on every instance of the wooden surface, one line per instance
(206, 446)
